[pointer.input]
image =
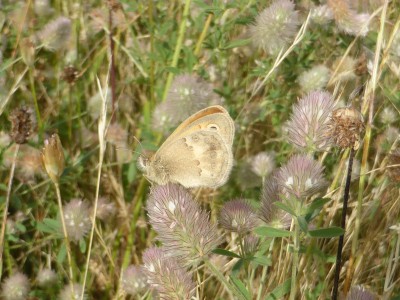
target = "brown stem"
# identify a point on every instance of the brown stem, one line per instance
(343, 225)
(112, 66)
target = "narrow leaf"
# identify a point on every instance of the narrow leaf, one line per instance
(280, 291)
(241, 287)
(302, 223)
(225, 253)
(326, 232)
(285, 208)
(272, 232)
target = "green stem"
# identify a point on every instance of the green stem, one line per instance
(32, 83)
(265, 271)
(178, 47)
(295, 261)
(5, 212)
(230, 288)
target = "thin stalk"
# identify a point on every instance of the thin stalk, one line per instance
(64, 227)
(203, 35)
(343, 225)
(230, 288)
(265, 271)
(33, 89)
(295, 261)
(178, 47)
(112, 67)
(5, 212)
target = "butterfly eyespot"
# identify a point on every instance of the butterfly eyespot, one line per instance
(213, 127)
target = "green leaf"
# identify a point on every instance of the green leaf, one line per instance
(236, 43)
(302, 223)
(261, 260)
(49, 226)
(225, 253)
(315, 207)
(326, 232)
(241, 287)
(238, 265)
(272, 232)
(280, 291)
(82, 245)
(62, 254)
(285, 208)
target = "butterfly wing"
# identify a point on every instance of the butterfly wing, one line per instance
(213, 118)
(201, 158)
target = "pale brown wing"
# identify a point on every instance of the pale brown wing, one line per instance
(213, 118)
(200, 159)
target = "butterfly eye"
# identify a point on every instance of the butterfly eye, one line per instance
(212, 127)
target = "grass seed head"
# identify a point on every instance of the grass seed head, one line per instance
(56, 34)
(53, 157)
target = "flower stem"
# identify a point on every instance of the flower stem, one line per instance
(64, 227)
(343, 225)
(230, 288)
(5, 212)
(295, 261)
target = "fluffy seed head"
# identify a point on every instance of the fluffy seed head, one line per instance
(134, 281)
(347, 19)
(21, 124)
(345, 127)
(77, 220)
(301, 177)
(105, 209)
(15, 287)
(314, 79)
(46, 277)
(166, 275)
(262, 164)
(388, 116)
(275, 27)
(309, 123)
(182, 226)
(187, 95)
(359, 293)
(56, 34)
(72, 292)
(344, 69)
(321, 14)
(238, 216)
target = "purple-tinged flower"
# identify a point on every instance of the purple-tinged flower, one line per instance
(262, 164)
(187, 95)
(360, 293)
(72, 292)
(166, 275)
(238, 216)
(134, 281)
(56, 35)
(15, 287)
(182, 226)
(301, 177)
(250, 244)
(309, 123)
(46, 277)
(314, 79)
(77, 219)
(275, 27)
(347, 19)
(270, 194)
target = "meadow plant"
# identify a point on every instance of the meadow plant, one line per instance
(77, 220)
(309, 124)
(275, 27)
(166, 275)
(238, 216)
(15, 287)
(262, 164)
(134, 281)
(46, 277)
(56, 35)
(72, 292)
(182, 226)
(314, 79)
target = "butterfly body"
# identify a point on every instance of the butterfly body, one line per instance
(197, 154)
